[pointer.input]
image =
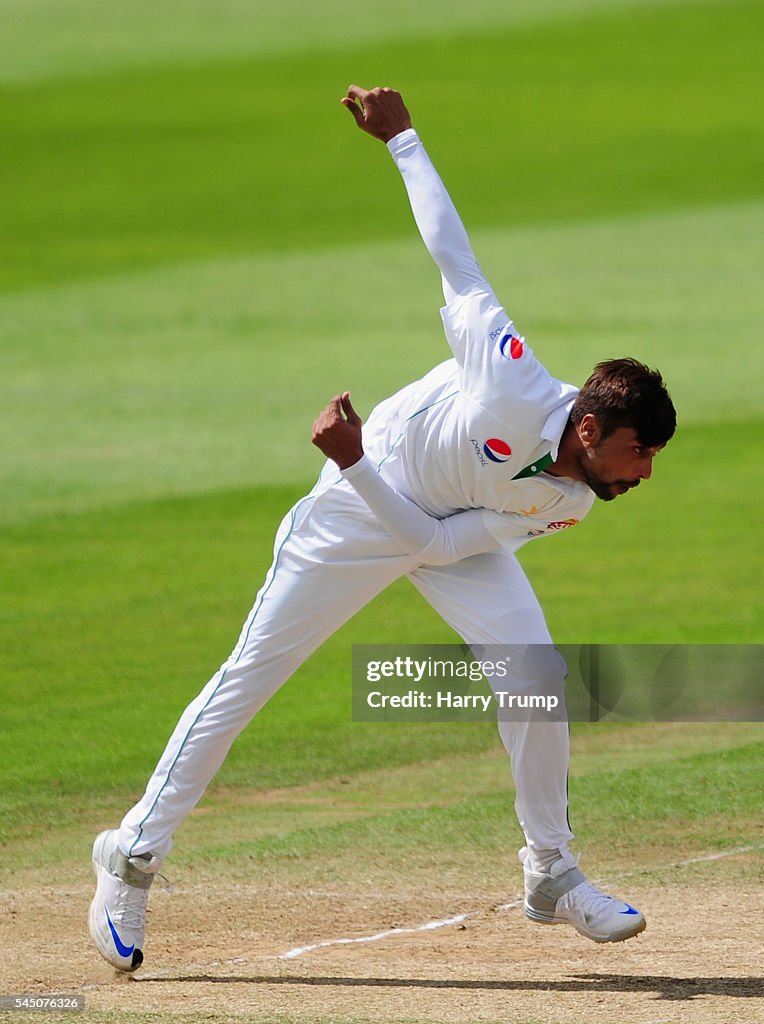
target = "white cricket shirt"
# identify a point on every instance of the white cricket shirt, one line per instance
(457, 438)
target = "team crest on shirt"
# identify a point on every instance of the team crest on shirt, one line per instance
(511, 346)
(562, 524)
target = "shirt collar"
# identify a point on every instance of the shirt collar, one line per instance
(557, 420)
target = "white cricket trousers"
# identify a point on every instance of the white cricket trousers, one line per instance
(331, 557)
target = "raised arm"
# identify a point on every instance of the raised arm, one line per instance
(382, 114)
(431, 541)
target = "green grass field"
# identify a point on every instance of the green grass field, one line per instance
(199, 249)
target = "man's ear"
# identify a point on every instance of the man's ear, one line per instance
(589, 430)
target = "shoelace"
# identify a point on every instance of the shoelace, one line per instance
(132, 906)
(592, 900)
(165, 884)
(150, 865)
(133, 901)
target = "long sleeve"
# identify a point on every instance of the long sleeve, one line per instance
(436, 218)
(431, 541)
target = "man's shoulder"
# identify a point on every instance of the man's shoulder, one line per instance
(574, 502)
(497, 363)
(470, 308)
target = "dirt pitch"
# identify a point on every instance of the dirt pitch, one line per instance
(215, 953)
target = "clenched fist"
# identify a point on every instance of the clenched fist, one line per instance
(380, 112)
(338, 436)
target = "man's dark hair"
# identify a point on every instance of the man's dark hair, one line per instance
(626, 393)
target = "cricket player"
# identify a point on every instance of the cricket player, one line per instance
(447, 479)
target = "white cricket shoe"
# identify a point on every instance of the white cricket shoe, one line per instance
(563, 896)
(117, 917)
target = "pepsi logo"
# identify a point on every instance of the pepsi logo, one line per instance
(497, 450)
(511, 347)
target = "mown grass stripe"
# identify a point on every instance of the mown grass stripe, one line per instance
(132, 170)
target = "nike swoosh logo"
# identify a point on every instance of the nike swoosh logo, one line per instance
(631, 910)
(122, 949)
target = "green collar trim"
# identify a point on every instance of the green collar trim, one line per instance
(535, 467)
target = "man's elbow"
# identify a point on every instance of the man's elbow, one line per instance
(436, 553)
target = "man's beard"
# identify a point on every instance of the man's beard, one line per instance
(606, 490)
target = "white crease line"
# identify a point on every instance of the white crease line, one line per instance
(512, 904)
(292, 954)
(691, 860)
(429, 926)
(719, 856)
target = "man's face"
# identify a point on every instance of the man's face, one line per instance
(616, 464)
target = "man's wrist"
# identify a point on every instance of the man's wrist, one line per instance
(356, 467)
(402, 140)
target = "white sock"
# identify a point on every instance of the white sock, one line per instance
(540, 861)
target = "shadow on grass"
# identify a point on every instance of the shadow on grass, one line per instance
(664, 987)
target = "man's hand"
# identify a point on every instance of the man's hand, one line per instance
(380, 112)
(339, 438)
